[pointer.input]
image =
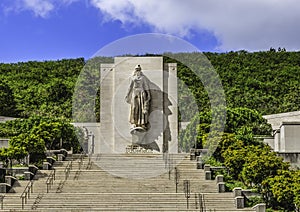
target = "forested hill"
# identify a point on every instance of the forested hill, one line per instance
(39, 88)
(265, 81)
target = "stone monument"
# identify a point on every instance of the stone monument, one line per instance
(138, 106)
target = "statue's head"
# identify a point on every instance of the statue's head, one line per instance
(137, 70)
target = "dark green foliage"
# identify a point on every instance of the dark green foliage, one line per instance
(265, 81)
(35, 135)
(42, 88)
(283, 190)
(7, 101)
(243, 122)
(252, 201)
(261, 163)
(34, 146)
(12, 153)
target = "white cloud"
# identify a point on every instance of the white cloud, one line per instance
(237, 24)
(39, 7)
(68, 2)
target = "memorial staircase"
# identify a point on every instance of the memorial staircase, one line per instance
(81, 184)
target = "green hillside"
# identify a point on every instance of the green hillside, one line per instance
(265, 81)
(40, 88)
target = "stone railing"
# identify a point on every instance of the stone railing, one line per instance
(260, 207)
(238, 193)
(5, 187)
(197, 152)
(239, 199)
(62, 152)
(11, 181)
(48, 164)
(32, 170)
(61, 155)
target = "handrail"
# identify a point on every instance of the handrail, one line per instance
(68, 169)
(187, 191)
(90, 151)
(1, 199)
(26, 193)
(50, 179)
(89, 165)
(176, 178)
(81, 160)
(202, 203)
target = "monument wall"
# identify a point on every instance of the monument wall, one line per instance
(115, 134)
(91, 135)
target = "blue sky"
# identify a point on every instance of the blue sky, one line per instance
(56, 29)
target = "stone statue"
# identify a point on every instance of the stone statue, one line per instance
(138, 96)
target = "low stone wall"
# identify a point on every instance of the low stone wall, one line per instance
(260, 207)
(17, 171)
(4, 142)
(292, 157)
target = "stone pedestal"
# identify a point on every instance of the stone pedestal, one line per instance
(206, 167)
(200, 163)
(237, 192)
(239, 202)
(51, 160)
(219, 178)
(3, 187)
(28, 175)
(60, 157)
(10, 180)
(207, 175)
(33, 169)
(221, 187)
(192, 156)
(46, 166)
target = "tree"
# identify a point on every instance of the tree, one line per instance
(260, 164)
(57, 134)
(243, 122)
(282, 190)
(7, 101)
(234, 160)
(296, 189)
(33, 144)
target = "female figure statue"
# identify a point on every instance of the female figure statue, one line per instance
(138, 96)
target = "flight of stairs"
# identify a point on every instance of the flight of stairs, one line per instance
(123, 182)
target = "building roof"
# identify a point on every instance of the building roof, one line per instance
(276, 120)
(5, 118)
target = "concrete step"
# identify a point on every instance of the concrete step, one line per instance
(113, 182)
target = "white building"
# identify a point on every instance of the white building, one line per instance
(286, 135)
